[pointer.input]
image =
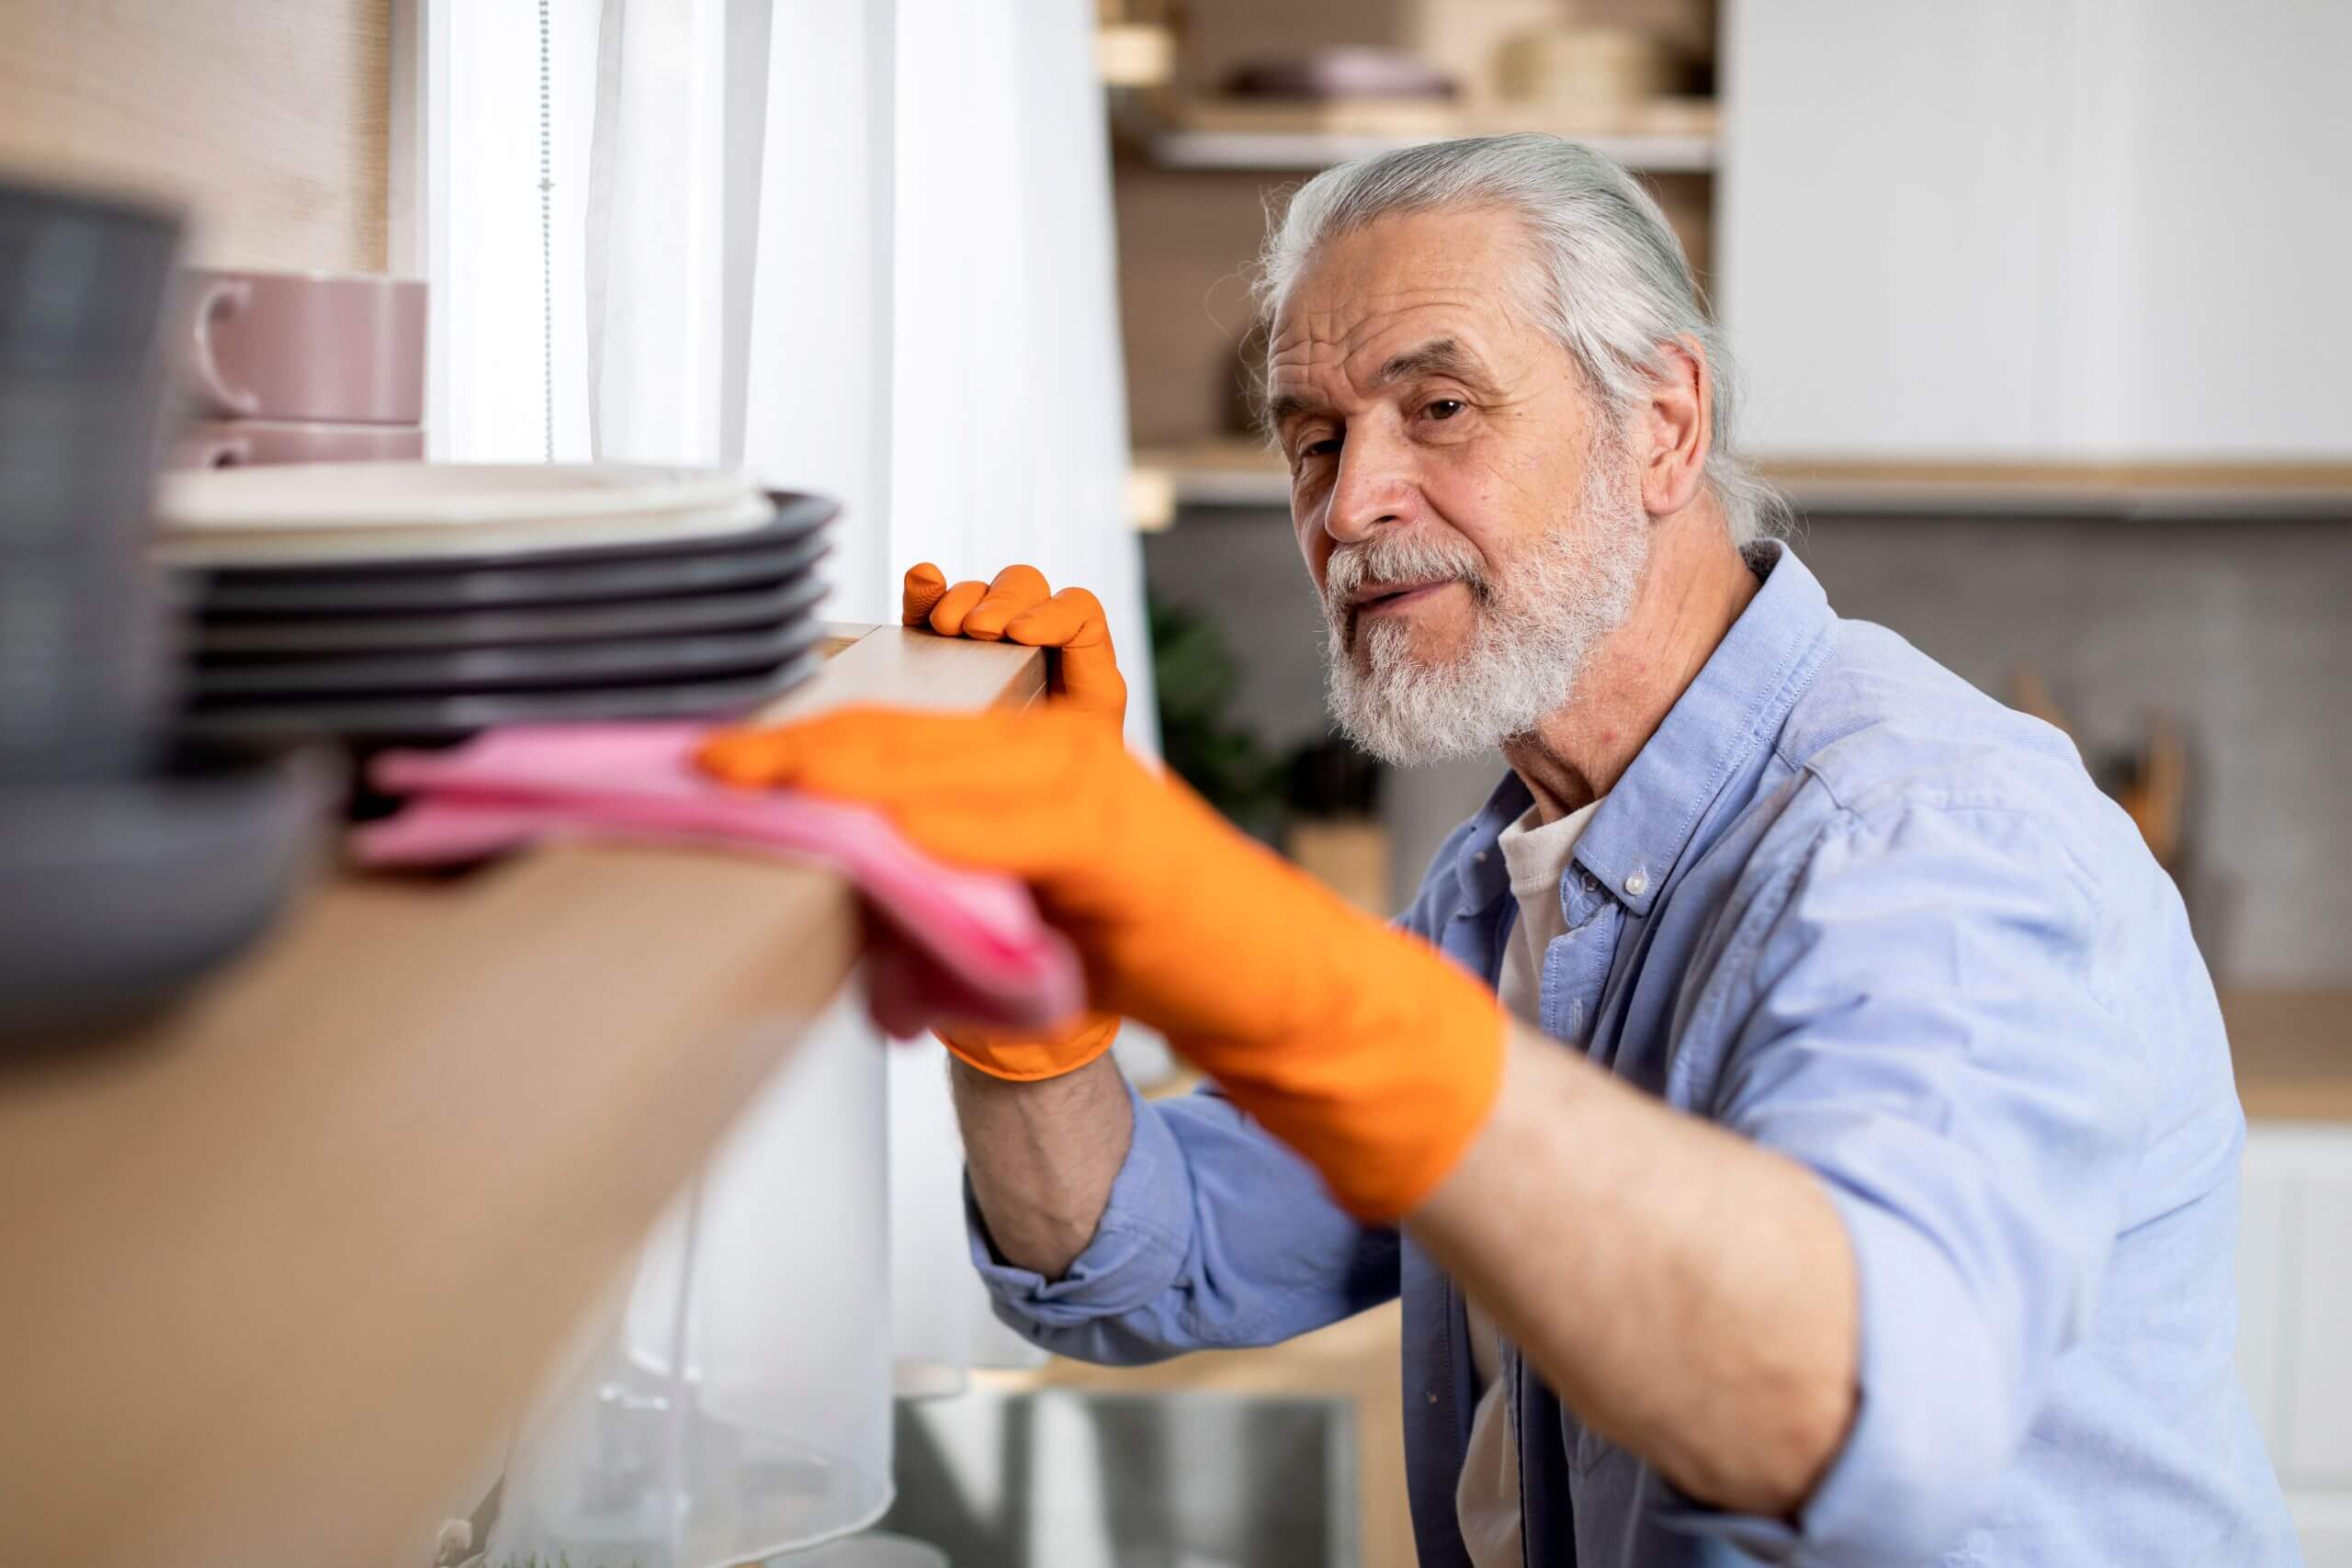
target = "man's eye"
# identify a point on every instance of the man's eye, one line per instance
(1322, 447)
(1444, 408)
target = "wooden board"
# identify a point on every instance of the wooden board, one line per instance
(266, 119)
(915, 669)
(281, 1263)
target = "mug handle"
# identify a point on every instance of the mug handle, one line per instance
(213, 452)
(221, 296)
(233, 453)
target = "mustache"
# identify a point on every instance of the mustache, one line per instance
(1396, 558)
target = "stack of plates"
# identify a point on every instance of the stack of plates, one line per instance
(416, 602)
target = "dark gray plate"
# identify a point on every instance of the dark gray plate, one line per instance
(757, 558)
(423, 718)
(754, 609)
(123, 893)
(444, 672)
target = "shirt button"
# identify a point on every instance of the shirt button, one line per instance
(1480, 857)
(1637, 884)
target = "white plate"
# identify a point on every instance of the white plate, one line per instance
(325, 545)
(331, 497)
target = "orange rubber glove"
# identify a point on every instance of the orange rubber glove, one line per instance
(1018, 606)
(1357, 1045)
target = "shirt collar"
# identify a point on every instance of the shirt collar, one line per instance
(1478, 866)
(1741, 696)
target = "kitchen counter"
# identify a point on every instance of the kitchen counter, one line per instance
(278, 1260)
(2293, 1052)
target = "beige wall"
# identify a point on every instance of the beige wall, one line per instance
(266, 119)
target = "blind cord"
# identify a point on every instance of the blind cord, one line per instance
(547, 245)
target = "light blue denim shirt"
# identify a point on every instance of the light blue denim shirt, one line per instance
(1844, 905)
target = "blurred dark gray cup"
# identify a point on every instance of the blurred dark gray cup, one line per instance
(84, 669)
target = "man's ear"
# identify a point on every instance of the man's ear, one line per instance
(1674, 427)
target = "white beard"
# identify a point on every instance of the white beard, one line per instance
(1536, 628)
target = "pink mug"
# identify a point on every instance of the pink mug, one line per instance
(306, 346)
(238, 443)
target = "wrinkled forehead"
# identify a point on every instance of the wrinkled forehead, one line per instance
(1364, 295)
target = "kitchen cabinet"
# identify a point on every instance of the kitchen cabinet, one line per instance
(281, 1262)
(2037, 229)
(2295, 1296)
(2325, 1525)
(2316, 1432)
(2293, 1052)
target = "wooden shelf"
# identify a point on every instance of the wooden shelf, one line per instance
(1231, 472)
(2125, 491)
(1237, 471)
(1678, 137)
(283, 1261)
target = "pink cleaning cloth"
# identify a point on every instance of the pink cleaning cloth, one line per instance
(991, 959)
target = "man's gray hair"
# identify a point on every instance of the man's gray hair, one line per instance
(1616, 284)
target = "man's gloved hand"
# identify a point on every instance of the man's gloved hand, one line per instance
(1356, 1044)
(1018, 606)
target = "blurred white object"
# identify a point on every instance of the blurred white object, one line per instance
(736, 1403)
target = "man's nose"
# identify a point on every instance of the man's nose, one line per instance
(1375, 487)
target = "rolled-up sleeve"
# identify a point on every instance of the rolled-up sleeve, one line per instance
(1214, 1237)
(1927, 1035)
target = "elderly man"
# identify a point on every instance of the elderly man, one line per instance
(1820, 1146)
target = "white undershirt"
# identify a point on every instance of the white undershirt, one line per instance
(1485, 1498)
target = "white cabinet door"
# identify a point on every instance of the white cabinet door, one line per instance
(2295, 1322)
(2240, 224)
(2053, 228)
(1888, 180)
(2317, 1452)
(2266, 1188)
(2325, 1523)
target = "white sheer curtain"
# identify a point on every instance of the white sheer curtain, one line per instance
(862, 247)
(866, 249)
